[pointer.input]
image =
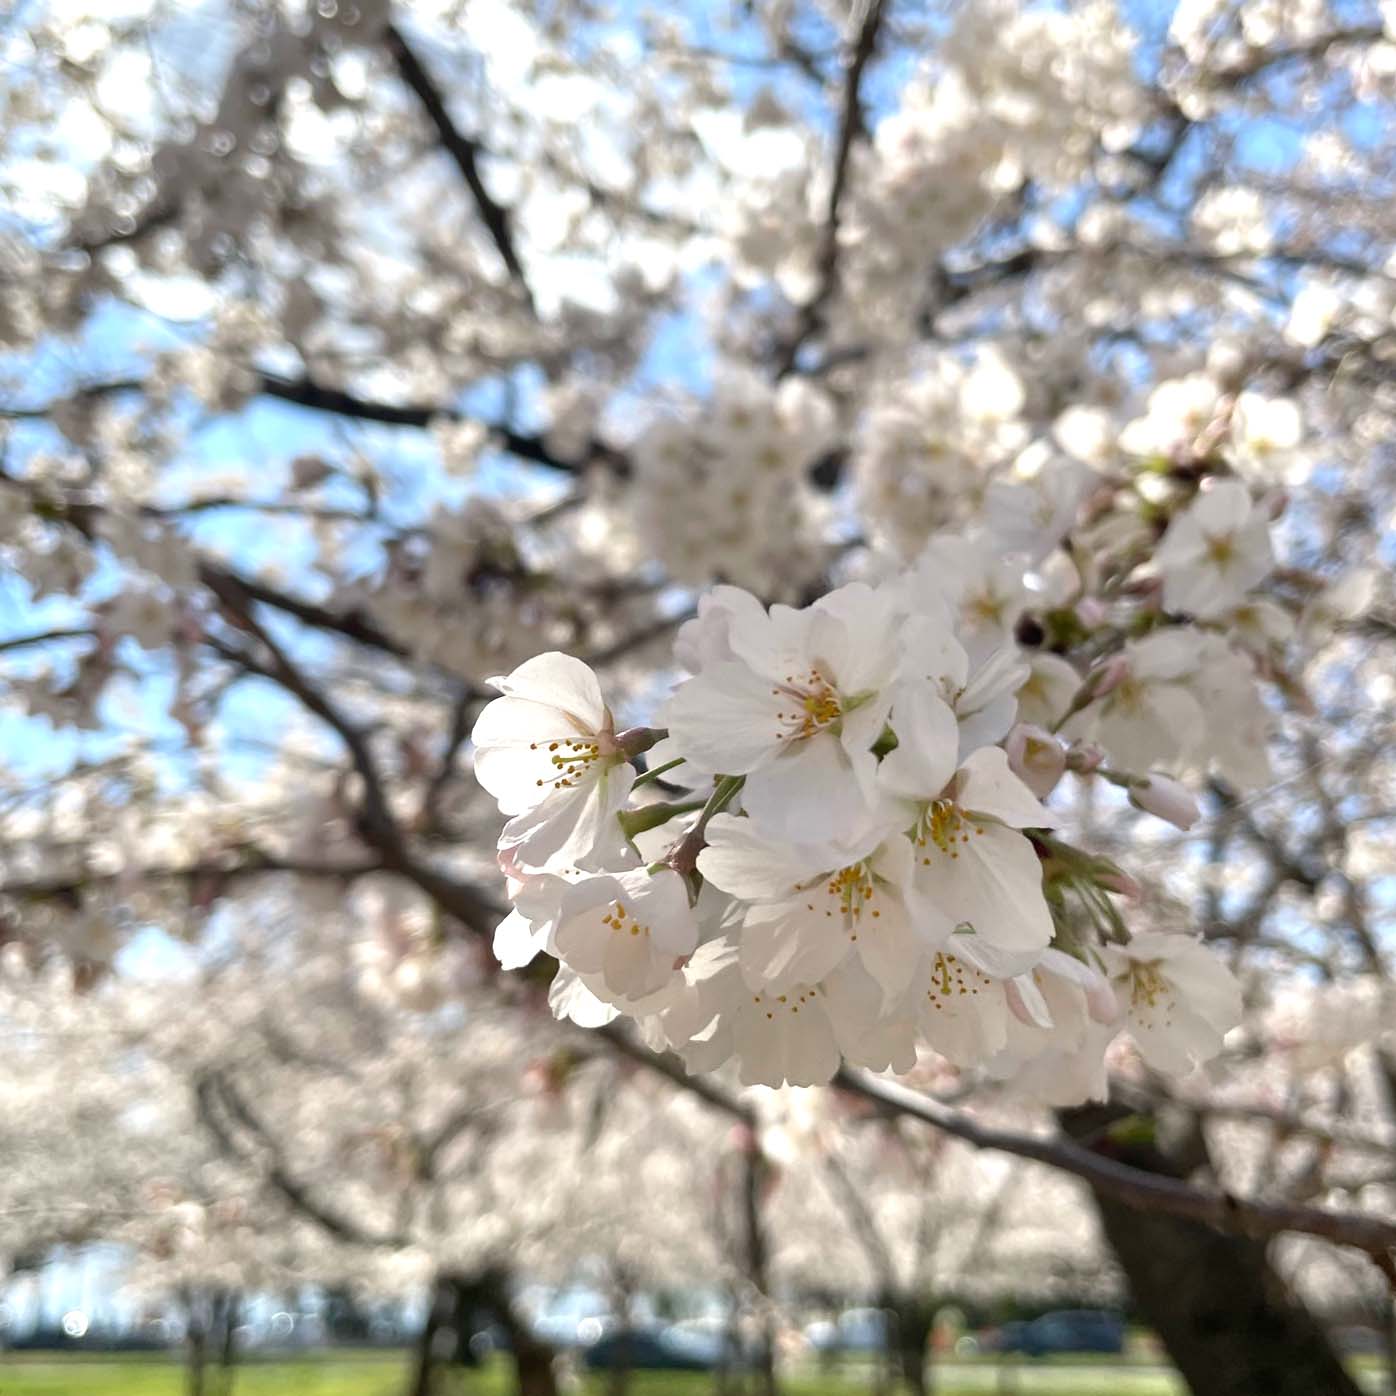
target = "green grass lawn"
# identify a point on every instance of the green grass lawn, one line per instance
(45, 1375)
(385, 1374)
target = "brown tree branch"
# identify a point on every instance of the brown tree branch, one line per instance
(216, 1097)
(463, 151)
(1135, 1187)
(254, 864)
(851, 126)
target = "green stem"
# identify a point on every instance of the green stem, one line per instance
(646, 776)
(722, 796)
(683, 857)
(638, 821)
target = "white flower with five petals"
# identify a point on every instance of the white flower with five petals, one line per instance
(972, 863)
(546, 750)
(1215, 551)
(1179, 999)
(631, 929)
(796, 710)
(814, 905)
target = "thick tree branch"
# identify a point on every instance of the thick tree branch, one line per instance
(1134, 1186)
(672, 1069)
(253, 863)
(378, 825)
(340, 402)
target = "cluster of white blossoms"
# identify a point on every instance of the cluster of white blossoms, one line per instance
(1013, 95)
(727, 495)
(925, 458)
(860, 866)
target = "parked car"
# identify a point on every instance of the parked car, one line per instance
(855, 1331)
(1066, 1330)
(651, 1350)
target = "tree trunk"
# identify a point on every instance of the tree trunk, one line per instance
(726, 1377)
(911, 1328)
(618, 1378)
(754, 1238)
(533, 1360)
(1227, 1319)
(465, 1309)
(196, 1350)
(424, 1354)
(226, 1328)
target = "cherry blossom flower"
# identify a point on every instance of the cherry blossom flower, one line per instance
(797, 711)
(813, 905)
(1215, 551)
(1046, 692)
(983, 589)
(1148, 716)
(1036, 758)
(1179, 1000)
(961, 1007)
(631, 929)
(972, 863)
(547, 752)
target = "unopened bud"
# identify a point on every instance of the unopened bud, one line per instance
(1084, 758)
(635, 740)
(1109, 676)
(1091, 612)
(1165, 798)
(1121, 883)
(1036, 758)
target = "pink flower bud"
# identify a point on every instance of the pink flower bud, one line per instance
(1036, 758)
(1122, 883)
(1110, 676)
(1162, 796)
(1084, 758)
(1091, 612)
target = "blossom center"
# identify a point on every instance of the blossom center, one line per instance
(1149, 990)
(814, 705)
(1221, 550)
(618, 919)
(945, 826)
(851, 892)
(985, 608)
(948, 980)
(572, 758)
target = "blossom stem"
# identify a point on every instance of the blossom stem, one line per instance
(646, 776)
(683, 857)
(1095, 685)
(638, 821)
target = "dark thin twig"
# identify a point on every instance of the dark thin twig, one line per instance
(851, 126)
(463, 151)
